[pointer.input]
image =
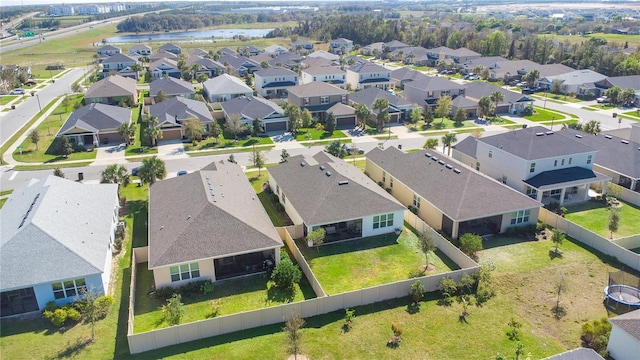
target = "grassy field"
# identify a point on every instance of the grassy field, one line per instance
(595, 217)
(620, 39)
(257, 182)
(371, 261)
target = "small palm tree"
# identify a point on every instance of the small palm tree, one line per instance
(114, 174)
(362, 114)
(381, 104)
(155, 133)
(592, 127)
(447, 141)
(152, 169)
(496, 97)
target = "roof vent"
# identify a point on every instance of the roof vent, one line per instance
(579, 136)
(441, 162)
(343, 182)
(456, 170)
(549, 132)
(427, 154)
(608, 137)
(188, 217)
(328, 173)
(321, 167)
(624, 141)
(449, 166)
(434, 158)
(302, 164)
(539, 134)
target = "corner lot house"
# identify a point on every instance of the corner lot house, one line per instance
(111, 90)
(225, 87)
(56, 242)
(95, 124)
(324, 191)
(448, 195)
(544, 165)
(624, 341)
(208, 225)
(251, 107)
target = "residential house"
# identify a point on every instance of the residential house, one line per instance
(365, 74)
(172, 87)
(112, 90)
(162, 55)
(108, 50)
(449, 196)
(224, 88)
(173, 112)
(304, 46)
(513, 102)
(227, 51)
(577, 354)
(275, 50)
(57, 239)
(274, 82)
(317, 62)
(324, 191)
(164, 67)
(344, 115)
(340, 46)
(426, 92)
(399, 109)
(411, 55)
(324, 55)
(393, 46)
(206, 66)
(404, 74)
(617, 157)
(485, 62)
(623, 82)
(317, 97)
(624, 340)
(457, 56)
(249, 50)
(198, 52)
(239, 65)
(95, 124)
(580, 82)
(515, 70)
(249, 108)
(139, 49)
(372, 49)
(120, 64)
(468, 105)
(175, 49)
(544, 165)
(328, 74)
(208, 225)
(287, 60)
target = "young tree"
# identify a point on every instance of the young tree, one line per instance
(416, 115)
(257, 159)
(560, 287)
(127, 131)
(284, 156)
(556, 87)
(444, 106)
(215, 130)
(293, 113)
(362, 114)
(381, 105)
(173, 310)
(470, 244)
(235, 126)
(151, 170)
(496, 97)
(256, 127)
(294, 335)
(430, 143)
(201, 78)
(428, 116)
(557, 238)
(427, 246)
(286, 274)
(160, 96)
(460, 117)
(306, 119)
(330, 123)
(337, 149)
(57, 172)
(232, 159)
(34, 136)
(115, 174)
(592, 127)
(316, 238)
(416, 291)
(448, 140)
(64, 147)
(627, 96)
(614, 219)
(193, 129)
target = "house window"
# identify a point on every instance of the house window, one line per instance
(284, 199)
(381, 221)
(589, 158)
(184, 272)
(306, 101)
(532, 168)
(562, 162)
(69, 288)
(416, 201)
(504, 179)
(277, 189)
(324, 100)
(555, 163)
(520, 217)
(477, 166)
(570, 160)
(384, 177)
(490, 153)
(391, 183)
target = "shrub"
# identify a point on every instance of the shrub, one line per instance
(528, 111)
(470, 243)
(50, 306)
(397, 330)
(395, 340)
(467, 284)
(514, 330)
(57, 317)
(483, 294)
(173, 310)
(448, 288)
(286, 274)
(73, 314)
(103, 304)
(206, 287)
(215, 308)
(416, 292)
(595, 335)
(349, 315)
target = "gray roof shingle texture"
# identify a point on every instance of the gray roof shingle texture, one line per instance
(251, 107)
(463, 196)
(182, 109)
(565, 175)
(319, 199)
(187, 223)
(95, 117)
(468, 146)
(577, 354)
(368, 97)
(110, 86)
(316, 89)
(171, 87)
(226, 84)
(629, 322)
(64, 236)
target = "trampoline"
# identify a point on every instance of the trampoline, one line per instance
(623, 294)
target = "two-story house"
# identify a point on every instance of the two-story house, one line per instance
(206, 66)
(108, 50)
(341, 46)
(544, 165)
(512, 102)
(302, 46)
(239, 65)
(120, 64)
(427, 91)
(365, 74)
(225, 87)
(164, 67)
(275, 50)
(328, 74)
(399, 109)
(274, 82)
(317, 97)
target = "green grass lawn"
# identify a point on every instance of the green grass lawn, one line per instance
(212, 143)
(4, 100)
(633, 40)
(544, 115)
(236, 295)
(440, 124)
(589, 108)
(278, 218)
(595, 217)
(314, 134)
(632, 113)
(371, 261)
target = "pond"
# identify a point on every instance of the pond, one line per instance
(188, 35)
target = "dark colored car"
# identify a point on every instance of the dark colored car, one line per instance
(527, 91)
(134, 171)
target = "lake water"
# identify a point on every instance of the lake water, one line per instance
(188, 35)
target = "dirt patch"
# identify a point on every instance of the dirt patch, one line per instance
(427, 269)
(298, 357)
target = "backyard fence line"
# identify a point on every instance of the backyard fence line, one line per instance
(629, 242)
(132, 295)
(591, 239)
(627, 195)
(285, 235)
(142, 254)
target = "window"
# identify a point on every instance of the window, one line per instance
(416, 201)
(562, 162)
(277, 189)
(306, 101)
(555, 163)
(384, 177)
(532, 168)
(184, 272)
(570, 160)
(381, 221)
(324, 100)
(520, 217)
(589, 158)
(490, 153)
(391, 183)
(504, 179)
(477, 166)
(69, 288)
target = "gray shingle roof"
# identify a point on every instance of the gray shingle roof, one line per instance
(171, 87)
(613, 154)
(163, 62)
(577, 77)
(526, 144)
(324, 55)
(181, 109)
(111, 86)
(479, 89)
(461, 196)
(162, 55)
(275, 71)
(340, 109)
(187, 223)
(368, 97)
(226, 84)
(316, 88)
(119, 58)
(65, 233)
(205, 63)
(251, 107)
(324, 70)
(96, 117)
(468, 146)
(625, 82)
(363, 67)
(564, 176)
(629, 322)
(320, 199)
(433, 83)
(405, 73)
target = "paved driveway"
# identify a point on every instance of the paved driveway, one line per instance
(171, 149)
(110, 154)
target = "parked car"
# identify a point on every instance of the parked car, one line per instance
(182, 172)
(31, 82)
(134, 171)
(17, 92)
(359, 150)
(602, 100)
(527, 91)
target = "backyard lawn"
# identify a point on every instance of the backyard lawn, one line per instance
(314, 134)
(595, 217)
(371, 261)
(235, 295)
(278, 218)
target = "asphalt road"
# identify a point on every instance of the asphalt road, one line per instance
(607, 122)
(11, 121)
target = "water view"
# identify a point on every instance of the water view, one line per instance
(189, 35)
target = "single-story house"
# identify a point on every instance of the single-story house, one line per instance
(225, 87)
(208, 225)
(512, 102)
(162, 55)
(56, 242)
(112, 90)
(448, 195)
(173, 112)
(624, 340)
(175, 49)
(324, 191)
(249, 108)
(344, 115)
(95, 124)
(165, 67)
(580, 82)
(172, 87)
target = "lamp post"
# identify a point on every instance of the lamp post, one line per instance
(545, 98)
(38, 97)
(552, 119)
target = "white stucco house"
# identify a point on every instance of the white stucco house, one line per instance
(624, 341)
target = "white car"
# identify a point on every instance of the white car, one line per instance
(602, 100)
(17, 92)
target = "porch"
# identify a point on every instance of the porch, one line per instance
(244, 264)
(564, 186)
(344, 230)
(15, 302)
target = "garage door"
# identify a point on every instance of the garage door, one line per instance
(346, 122)
(394, 118)
(171, 134)
(275, 126)
(502, 109)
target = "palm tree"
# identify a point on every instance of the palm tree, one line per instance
(531, 77)
(127, 131)
(627, 96)
(447, 141)
(151, 170)
(381, 104)
(114, 174)
(496, 97)
(362, 114)
(592, 127)
(484, 106)
(431, 143)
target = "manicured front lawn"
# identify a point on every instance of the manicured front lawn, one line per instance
(441, 123)
(313, 134)
(595, 217)
(5, 99)
(236, 295)
(211, 143)
(370, 261)
(276, 212)
(544, 115)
